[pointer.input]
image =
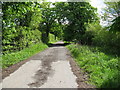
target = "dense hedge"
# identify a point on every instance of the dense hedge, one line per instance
(20, 25)
(20, 38)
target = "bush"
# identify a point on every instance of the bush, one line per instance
(98, 36)
(20, 38)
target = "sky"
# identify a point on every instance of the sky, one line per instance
(99, 4)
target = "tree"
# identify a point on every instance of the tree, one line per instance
(49, 22)
(20, 21)
(75, 15)
(112, 15)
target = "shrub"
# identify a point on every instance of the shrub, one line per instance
(20, 38)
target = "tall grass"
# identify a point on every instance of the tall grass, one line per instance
(103, 70)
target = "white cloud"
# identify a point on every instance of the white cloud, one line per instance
(99, 4)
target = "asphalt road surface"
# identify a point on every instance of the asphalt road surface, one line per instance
(51, 68)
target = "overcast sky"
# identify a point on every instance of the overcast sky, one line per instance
(99, 4)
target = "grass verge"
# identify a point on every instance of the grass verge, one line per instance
(13, 58)
(103, 70)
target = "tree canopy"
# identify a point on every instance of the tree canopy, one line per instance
(112, 15)
(66, 20)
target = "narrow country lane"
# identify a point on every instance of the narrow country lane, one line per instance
(52, 68)
(48, 69)
(86, 57)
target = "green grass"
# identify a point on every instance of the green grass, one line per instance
(103, 70)
(13, 58)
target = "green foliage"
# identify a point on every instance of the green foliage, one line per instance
(75, 16)
(47, 21)
(102, 37)
(115, 27)
(111, 11)
(57, 30)
(27, 24)
(112, 16)
(107, 38)
(20, 23)
(19, 38)
(13, 58)
(52, 38)
(101, 68)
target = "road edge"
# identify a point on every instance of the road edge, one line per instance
(7, 71)
(82, 77)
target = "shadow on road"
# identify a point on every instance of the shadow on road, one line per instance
(57, 44)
